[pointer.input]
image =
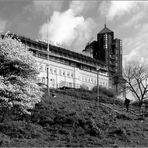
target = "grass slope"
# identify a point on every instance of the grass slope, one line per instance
(73, 120)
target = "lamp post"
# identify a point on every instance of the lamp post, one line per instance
(97, 99)
(103, 70)
(48, 91)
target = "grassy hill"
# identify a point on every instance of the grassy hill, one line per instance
(73, 119)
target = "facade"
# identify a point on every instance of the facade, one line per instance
(109, 50)
(75, 70)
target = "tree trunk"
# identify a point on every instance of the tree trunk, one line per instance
(140, 104)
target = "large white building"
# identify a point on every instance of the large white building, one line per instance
(68, 68)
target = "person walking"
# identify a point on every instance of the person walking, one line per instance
(127, 103)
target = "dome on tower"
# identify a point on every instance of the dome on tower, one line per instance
(105, 30)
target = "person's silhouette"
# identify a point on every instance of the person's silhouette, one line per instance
(126, 103)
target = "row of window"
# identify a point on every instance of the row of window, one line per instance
(105, 39)
(93, 80)
(61, 72)
(69, 84)
(88, 79)
(53, 83)
(70, 74)
(56, 71)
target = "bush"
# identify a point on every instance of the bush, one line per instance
(4, 140)
(104, 91)
(84, 87)
(106, 99)
(118, 102)
(79, 93)
(21, 129)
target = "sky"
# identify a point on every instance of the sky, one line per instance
(72, 24)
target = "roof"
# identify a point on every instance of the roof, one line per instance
(57, 49)
(105, 30)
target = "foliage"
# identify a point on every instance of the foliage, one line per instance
(108, 92)
(21, 129)
(79, 93)
(84, 87)
(18, 76)
(66, 121)
(4, 140)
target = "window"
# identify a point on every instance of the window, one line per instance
(116, 64)
(63, 73)
(55, 71)
(70, 84)
(88, 79)
(68, 74)
(51, 70)
(72, 75)
(105, 39)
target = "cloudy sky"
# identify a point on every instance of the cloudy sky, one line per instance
(74, 23)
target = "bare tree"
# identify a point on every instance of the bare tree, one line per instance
(136, 82)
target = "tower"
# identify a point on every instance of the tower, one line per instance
(109, 50)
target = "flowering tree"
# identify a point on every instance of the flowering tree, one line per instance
(18, 76)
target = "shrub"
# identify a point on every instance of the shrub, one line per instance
(21, 129)
(118, 102)
(84, 87)
(109, 92)
(79, 93)
(106, 99)
(4, 140)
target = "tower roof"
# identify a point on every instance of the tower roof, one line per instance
(105, 30)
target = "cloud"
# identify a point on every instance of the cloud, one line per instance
(83, 7)
(69, 28)
(119, 8)
(47, 6)
(2, 25)
(116, 9)
(135, 21)
(31, 15)
(62, 27)
(136, 47)
(43, 7)
(77, 7)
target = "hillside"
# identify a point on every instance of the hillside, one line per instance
(72, 119)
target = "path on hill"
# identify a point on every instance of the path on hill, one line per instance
(132, 114)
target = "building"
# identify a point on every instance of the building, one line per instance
(71, 69)
(108, 50)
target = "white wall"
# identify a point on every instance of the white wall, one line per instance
(64, 75)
